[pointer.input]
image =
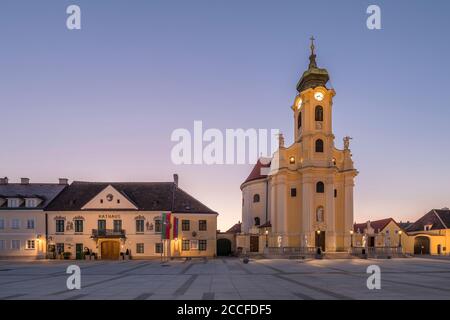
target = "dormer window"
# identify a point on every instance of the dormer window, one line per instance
(31, 202)
(427, 227)
(13, 203)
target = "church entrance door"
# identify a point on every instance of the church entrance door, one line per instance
(320, 240)
(254, 244)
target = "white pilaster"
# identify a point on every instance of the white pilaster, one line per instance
(348, 209)
(330, 215)
(307, 208)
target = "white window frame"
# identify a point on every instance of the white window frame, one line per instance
(28, 247)
(31, 203)
(13, 203)
(194, 244)
(12, 244)
(143, 248)
(15, 225)
(33, 222)
(143, 225)
(159, 244)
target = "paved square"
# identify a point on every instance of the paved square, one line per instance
(227, 278)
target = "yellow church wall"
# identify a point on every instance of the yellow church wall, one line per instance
(339, 205)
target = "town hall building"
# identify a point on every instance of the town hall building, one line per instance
(111, 220)
(303, 195)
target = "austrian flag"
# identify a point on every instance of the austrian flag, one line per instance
(170, 226)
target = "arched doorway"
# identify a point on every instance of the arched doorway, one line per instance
(110, 250)
(223, 247)
(320, 240)
(422, 245)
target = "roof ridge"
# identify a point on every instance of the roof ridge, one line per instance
(121, 182)
(437, 215)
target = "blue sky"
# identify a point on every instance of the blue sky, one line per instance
(100, 103)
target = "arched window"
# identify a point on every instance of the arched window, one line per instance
(299, 120)
(319, 113)
(320, 187)
(319, 145)
(257, 221)
(256, 198)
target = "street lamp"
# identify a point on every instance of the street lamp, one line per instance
(400, 238)
(351, 238)
(267, 239)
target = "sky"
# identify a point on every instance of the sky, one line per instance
(101, 103)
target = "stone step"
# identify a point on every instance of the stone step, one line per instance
(338, 255)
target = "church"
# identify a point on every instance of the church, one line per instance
(302, 197)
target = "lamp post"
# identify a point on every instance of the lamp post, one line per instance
(267, 239)
(400, 238)
(351, 238)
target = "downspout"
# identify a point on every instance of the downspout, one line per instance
(267, 200)
(46, 235)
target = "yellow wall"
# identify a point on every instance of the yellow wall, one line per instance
(149, 237)
(437, 237)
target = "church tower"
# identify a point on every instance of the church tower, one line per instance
(308, 193)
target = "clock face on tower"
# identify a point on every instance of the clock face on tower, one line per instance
(318, 96)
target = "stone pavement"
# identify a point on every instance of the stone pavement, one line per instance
(227, 278)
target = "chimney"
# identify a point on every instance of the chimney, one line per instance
(175, 179)
(63, 181)
(24, 181)
(4, 180)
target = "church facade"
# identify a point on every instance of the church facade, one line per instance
(303, 195)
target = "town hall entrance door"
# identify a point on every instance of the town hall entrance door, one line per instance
(320, 240)
(254, 244)
(110, 250)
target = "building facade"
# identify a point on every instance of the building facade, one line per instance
(304, 193)
(114, 220)
(379, 234)
(22, 217)
(430, 234)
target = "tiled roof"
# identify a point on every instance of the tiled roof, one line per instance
(150, 196)
(44, 191)
(235, 229)
(437, 218)
(266, 225)
(255, 174)
(376, 225)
